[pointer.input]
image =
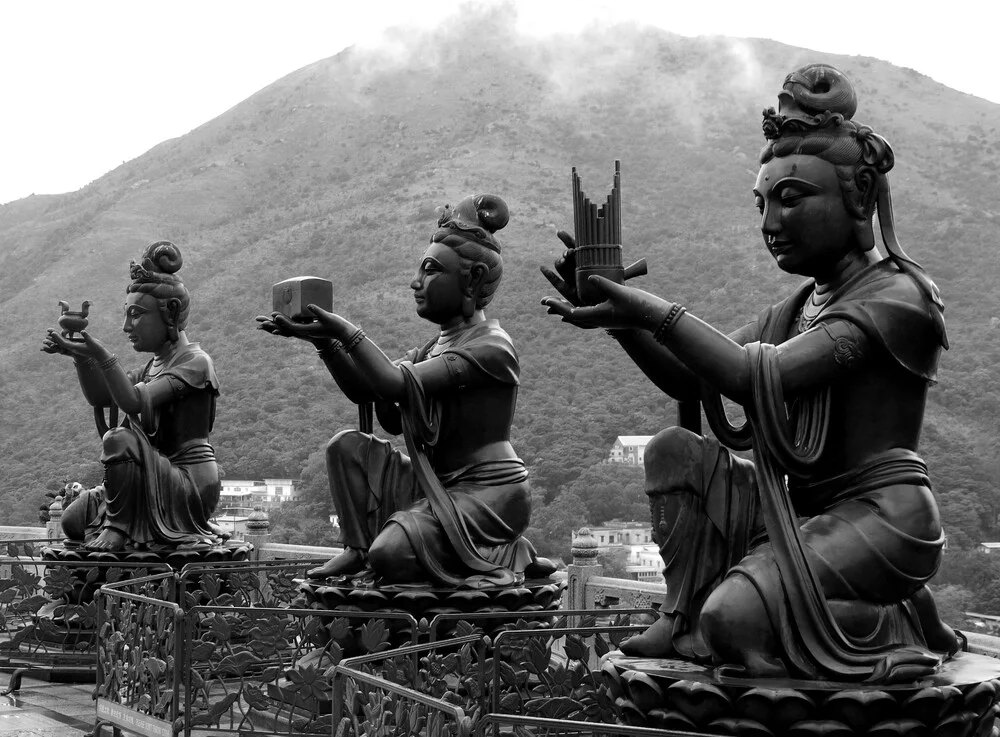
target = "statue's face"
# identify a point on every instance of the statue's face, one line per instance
(438, 285)
(144, 325)
(806, 226)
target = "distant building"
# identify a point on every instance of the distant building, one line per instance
(616, 534)
(644, 563)
(989, 547)
(630, 449)
(642, 555)
(240, 496)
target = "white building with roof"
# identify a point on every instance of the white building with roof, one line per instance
(245, 494)
(629, 449)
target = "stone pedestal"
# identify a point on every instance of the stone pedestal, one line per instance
(425, 603)
(961, 700)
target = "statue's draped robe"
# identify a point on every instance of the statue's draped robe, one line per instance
(166, 485)
(462, 525)
(869, 536)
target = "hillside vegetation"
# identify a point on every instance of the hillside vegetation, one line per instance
(335, 171)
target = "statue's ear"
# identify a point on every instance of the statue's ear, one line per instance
(173, 311)
(866, 186)
(866, 182)
(477, 278)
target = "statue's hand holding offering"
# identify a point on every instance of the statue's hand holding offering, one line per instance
(563, 278)
(625, 308)
(335, 326)
(88, 347)
(326, 327)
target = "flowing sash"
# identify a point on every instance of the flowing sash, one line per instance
(822, 645)
(421, 425)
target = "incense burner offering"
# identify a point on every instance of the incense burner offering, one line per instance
(73, 322)
(598, 233)
(291, 297)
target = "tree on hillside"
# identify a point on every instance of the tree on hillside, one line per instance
(611, 491)
(953, 602)
(552, 525)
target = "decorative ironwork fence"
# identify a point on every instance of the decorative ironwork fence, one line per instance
(522, 682)
(139, 656)
(48, 611)
(227, 649)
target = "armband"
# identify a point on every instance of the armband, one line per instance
(328, 351)
(354, 341)
(673, 315)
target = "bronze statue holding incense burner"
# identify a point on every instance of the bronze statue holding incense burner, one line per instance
(161, 482)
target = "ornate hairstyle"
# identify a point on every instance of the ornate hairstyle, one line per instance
(469, 230)
(814, 117)
(155, 274)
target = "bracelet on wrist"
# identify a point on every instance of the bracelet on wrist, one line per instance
(351, 343)
(107, 363)
(673, 315)
(329, 350)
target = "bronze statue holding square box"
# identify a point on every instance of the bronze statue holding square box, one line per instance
(450, 511)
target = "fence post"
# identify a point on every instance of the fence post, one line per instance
(53, 527)
(584, 566)
(258, 532)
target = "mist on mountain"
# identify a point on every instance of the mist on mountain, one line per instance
(336, 170)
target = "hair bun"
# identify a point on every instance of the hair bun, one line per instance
(818, 88)
(163, 257)
(492, 212)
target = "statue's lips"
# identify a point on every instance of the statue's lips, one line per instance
(780, 247)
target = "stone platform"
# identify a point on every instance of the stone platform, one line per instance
(961, 700)
(424, 603)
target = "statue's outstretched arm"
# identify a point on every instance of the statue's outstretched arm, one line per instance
(350, 378)
(103, 380)
(95, 391)
(811, 359)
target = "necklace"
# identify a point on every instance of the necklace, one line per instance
(445, 339)
(811, 309)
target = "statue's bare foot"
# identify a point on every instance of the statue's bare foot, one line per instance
(350, 561)
(655, 642)
(109, 539)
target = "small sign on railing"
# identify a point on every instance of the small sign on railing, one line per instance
(134, 721)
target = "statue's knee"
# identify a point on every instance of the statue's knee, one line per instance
(391, 556)
(734, 620)
(345, 443)
(119, 444)
(80, 513)
(670, 456)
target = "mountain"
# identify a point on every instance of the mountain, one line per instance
(336, 169)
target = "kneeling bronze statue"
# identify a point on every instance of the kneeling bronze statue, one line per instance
(161, 482)
(813, 561)
(450, 511)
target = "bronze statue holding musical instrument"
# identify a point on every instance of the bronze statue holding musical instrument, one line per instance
(813, 561)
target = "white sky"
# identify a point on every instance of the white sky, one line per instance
(88, 84)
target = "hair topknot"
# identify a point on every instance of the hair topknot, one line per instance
(815, 114)
(478, 216)
(156, 274)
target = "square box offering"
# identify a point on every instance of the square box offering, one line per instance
(291, 296)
